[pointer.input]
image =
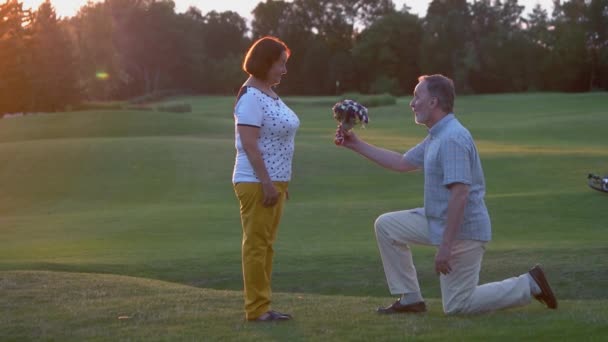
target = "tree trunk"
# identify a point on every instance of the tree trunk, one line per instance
(156, 80)
(592, 71)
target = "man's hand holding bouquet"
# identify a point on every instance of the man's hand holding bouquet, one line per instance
(349, 114)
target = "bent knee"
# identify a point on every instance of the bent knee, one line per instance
(456, 303)
(380, 224)
(456, 308)
(453, 310)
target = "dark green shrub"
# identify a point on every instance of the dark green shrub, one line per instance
(175, 108)
(371, 100)
(97, 106)
(155, 96)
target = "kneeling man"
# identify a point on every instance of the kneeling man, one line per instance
(454, 219)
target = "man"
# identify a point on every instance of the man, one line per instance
(454, 219)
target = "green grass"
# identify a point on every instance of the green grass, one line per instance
(128, 213)
(75, 306)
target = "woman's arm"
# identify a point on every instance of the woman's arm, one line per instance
(249, 139)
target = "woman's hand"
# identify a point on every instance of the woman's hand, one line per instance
(271, 195)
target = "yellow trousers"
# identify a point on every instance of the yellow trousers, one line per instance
(260, 225)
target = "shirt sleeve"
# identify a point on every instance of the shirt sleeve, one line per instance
(248, 111)
(456, 162)
(415, 155)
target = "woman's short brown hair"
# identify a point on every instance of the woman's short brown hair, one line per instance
(262, 54)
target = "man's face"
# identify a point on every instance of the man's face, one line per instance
(422, 103)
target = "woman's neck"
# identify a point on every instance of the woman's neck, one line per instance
(261, 85)
(257, 83)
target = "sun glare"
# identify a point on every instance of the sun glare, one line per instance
(102, 75)
(63, 8)
(69, 8)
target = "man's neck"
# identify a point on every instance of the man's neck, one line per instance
(435, 118)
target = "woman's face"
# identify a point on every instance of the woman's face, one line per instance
(277, 70)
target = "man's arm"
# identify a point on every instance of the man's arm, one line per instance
(385, 158)
(459, 193)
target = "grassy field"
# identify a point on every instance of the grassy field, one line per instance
(123, 225)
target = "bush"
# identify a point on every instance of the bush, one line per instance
(371, 100)
(96, 106)
(383, 84)
(140, 108)
(155, 96)
(175, 108)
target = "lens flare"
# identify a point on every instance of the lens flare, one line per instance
(102, 75)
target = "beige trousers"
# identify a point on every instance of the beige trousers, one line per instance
(460, 292)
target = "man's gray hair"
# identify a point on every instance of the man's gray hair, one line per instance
(442, 88)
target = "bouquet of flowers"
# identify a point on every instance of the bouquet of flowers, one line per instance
(349, 114)
(597, 182)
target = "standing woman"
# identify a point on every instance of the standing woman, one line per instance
(265, 129)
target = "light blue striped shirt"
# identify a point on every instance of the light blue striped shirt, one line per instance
(449, 155)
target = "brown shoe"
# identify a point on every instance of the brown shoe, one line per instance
(397, 307)
(546, 294)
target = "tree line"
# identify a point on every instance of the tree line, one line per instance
(121, 49)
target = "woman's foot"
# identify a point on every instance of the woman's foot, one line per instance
(272, 315)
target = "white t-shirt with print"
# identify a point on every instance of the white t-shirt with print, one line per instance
(278, 125)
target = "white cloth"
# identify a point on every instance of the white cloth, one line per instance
(459, 289)
(278, 125)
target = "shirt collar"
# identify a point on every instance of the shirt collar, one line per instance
(441, 124)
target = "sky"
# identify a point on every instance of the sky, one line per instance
(68, 8)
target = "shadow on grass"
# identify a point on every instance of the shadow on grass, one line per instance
(574, 274)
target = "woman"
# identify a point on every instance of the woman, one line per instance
(265, 129)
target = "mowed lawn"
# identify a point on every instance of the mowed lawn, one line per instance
(123, 225)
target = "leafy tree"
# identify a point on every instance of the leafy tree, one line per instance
(496, 37)
(539, 43)
(270, 18)
(568, 67)
(444, 44)
(125, 48)
(101, 74)
(54, 75)
(146, 35)
(367, 12)
(597, 42)
(320, 35)
(192, 68)
(387, 54)
(224, 34)
(15, 36)
(224, 43)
